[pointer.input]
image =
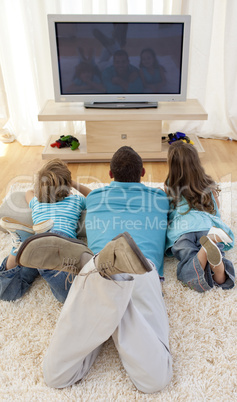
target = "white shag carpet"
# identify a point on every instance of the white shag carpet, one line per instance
(203, 341)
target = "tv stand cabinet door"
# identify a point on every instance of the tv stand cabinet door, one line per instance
(108, 136)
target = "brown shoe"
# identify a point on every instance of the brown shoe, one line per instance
(51, 251)
(122, 255)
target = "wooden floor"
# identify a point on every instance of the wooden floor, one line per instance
(19, 163)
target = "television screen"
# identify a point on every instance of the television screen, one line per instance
(119, 58)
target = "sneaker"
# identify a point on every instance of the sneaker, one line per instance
(11, 225)
(219, 235)
(19, 232)
(122, 255)
(214, 256)
(54, 252)
(43, 227)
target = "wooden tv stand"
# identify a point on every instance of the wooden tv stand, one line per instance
(109, 129)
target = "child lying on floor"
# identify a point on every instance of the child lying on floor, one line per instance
(54, 208)
(196, 235)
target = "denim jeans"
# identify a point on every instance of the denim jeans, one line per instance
(15, 282)
(189, 270)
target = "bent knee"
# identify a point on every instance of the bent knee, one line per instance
(52, 382)
(52, 377)
(157, 381)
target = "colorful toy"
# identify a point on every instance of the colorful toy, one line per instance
(178, 136)
(66, 141)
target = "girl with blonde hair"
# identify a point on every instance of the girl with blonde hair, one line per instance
(54, 209)
(52, 198)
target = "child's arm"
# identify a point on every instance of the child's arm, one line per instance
(81, 188)
(215, 194)
(29, 195)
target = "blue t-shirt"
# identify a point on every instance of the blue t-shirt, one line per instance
(65, 213)
(181, 222)
(128, 207)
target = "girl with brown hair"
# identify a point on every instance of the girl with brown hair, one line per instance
(196, 235)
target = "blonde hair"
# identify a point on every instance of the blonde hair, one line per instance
(53, 182)
(187, 178)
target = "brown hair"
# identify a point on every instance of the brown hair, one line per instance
(53, 182)
(187, 178)
(126, 165)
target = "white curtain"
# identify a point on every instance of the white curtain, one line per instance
(26, 65)
(4, 113)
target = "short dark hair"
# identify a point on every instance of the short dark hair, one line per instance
(126, 165)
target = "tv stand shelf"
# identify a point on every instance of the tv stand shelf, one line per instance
(109, 129)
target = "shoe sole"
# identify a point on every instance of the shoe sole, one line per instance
(13, 226)
(38, 236)
(43, 226)
(214, 256)
(136, 249)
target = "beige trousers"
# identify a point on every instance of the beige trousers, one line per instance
(131, 310)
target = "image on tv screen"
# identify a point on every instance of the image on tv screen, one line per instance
(119, 58)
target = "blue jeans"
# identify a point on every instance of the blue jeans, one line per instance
(15, 282)
(189, 270)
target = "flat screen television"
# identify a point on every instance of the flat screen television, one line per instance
(119, 60)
